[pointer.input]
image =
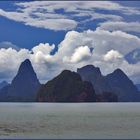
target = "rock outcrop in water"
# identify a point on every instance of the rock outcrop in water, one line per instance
(67, 87)
(70, 86)
(107, 97)
(123, 86)
(23, 87)
(93, 74)
(116, 83)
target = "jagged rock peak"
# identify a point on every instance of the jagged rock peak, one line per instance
(26, 75)
(67, 87)
(89, 68)
(70, 73)
(118, 73)
(26, 66)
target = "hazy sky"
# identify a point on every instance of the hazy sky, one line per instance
(57, 35)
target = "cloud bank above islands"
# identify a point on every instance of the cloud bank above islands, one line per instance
(100, 48)
(106, 46)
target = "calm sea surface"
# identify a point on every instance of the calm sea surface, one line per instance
(69, 120)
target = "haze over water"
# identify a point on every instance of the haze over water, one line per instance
(69, 120)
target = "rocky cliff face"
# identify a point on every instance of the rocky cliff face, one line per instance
(116, 83)
(93, 74)
(123, 86)
(107, 97)
(24, 86)
(67, 87)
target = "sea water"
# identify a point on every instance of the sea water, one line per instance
(70, 120)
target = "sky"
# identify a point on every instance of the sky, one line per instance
(58, 35)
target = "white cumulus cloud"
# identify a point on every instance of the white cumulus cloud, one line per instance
(112, 55)
(120, 25)
(10, 60)
(80, 54)
(108, 51)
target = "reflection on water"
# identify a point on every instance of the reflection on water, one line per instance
(69, 120)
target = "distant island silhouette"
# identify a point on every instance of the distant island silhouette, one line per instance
(86, 85)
